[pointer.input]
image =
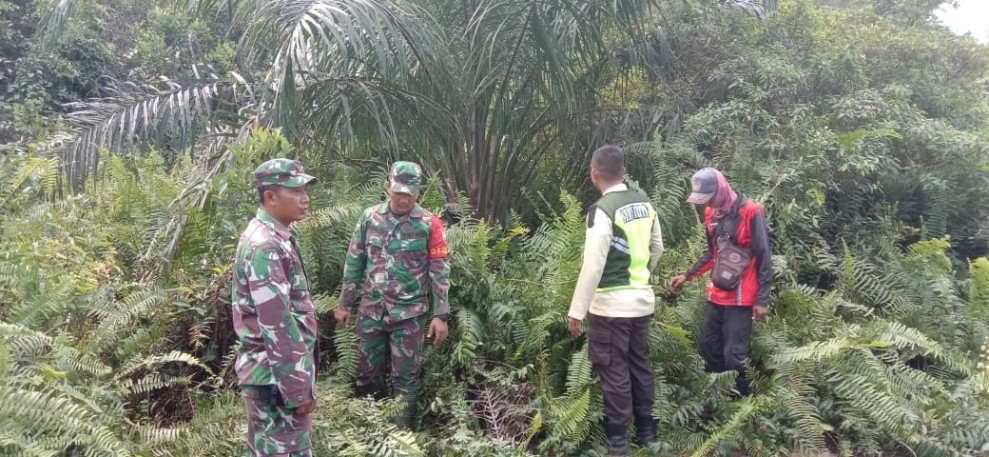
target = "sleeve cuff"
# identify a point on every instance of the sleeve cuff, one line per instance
(440, 309)
(577, 315)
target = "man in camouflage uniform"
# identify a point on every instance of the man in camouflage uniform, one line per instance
(397, 253)
(274, 318)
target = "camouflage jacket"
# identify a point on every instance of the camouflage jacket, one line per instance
(392, 260)
(273, 312)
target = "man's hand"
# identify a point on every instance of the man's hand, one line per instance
(438, 328)
(676, 282)
(342, 315)
(576, 326)
(306, 408)
(759, 312)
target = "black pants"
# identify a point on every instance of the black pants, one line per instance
(619, 353)
(725, 340)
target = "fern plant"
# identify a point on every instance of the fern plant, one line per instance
(60, 398)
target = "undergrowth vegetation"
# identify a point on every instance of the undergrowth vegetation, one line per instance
(862, 129)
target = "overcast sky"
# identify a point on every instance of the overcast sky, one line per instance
(970, 16)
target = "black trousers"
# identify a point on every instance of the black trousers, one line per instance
(619, 351)
(725, 340)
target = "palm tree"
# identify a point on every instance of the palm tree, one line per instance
(517, 78)
(336, 64)
(478, 90)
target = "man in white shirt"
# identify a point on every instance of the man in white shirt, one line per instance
(622, 246)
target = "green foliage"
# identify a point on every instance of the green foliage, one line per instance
(91, 356)
(979, 282)
(861, 365)
(355, 427)
(59, 398)
(859, 126)
(173, 44)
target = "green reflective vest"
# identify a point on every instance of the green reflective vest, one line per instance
(632, 217)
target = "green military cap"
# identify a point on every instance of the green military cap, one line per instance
(405, 177)
(284, 172)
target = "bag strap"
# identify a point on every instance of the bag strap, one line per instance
(727, 227)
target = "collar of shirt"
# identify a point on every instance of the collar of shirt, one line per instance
(385, 211)
(616, 188)
(280, 229)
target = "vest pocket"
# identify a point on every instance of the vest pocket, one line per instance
(599, 347)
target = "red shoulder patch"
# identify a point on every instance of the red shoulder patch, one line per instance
(437, 240)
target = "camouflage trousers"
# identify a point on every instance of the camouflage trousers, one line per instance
(272, 429)
(399, 341)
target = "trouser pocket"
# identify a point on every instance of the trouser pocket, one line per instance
(599, 347)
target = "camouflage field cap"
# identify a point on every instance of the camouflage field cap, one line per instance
(405, 177)
(284, 172)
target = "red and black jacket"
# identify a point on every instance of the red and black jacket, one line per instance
(753, 234)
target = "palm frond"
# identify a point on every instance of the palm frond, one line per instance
(139, 362)
(53, 23)
(336, 54)
(115, 317)
(732, 427)
(49, 424)
(345, 342)
(134, 113)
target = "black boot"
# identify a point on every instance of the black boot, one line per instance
(645, 431)
(404, 417)
(618, 443)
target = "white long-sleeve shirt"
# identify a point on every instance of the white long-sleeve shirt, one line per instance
(610, 303)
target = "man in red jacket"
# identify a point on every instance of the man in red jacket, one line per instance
(730, 217)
